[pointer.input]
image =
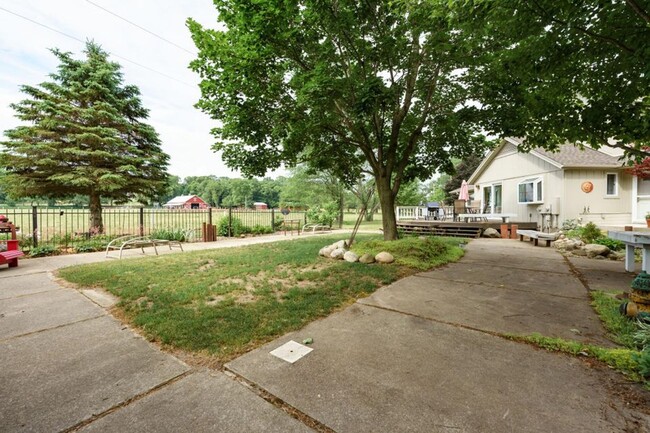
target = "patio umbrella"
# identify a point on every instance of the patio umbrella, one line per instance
(464, 191)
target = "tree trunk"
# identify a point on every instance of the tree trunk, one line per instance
(387, 200)
(96, 223)
(341, 210)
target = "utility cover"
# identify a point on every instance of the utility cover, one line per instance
(291, 351)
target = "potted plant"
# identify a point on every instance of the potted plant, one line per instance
(647, 219)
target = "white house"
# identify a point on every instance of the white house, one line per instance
(551, 187)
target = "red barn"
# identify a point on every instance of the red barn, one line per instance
(187, 202)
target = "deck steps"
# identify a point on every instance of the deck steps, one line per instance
(451, 231)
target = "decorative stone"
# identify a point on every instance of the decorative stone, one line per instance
(351, 257)
(337, 253)
(367, 258)
(594, 250)
(579, 252)
(384, 257)
(340, 244)
(326, 251)
(491, 233)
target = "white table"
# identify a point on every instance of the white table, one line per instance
(631, 241)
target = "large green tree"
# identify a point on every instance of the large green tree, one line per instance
(339, 85)
(83, 134)
(564, 70)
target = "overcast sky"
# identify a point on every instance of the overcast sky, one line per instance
(25, 59)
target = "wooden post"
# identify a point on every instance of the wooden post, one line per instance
(141, 221)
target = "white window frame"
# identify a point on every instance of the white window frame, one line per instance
(615, 194)
(538, 193)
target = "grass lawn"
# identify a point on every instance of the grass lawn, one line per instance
(221, 303)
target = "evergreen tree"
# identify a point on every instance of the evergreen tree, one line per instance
(84, 135)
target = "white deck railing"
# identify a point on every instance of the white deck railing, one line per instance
(411, 212)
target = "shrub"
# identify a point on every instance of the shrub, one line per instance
(323, 215)
(236, 226)
(612, 244)
(587, 234)
(170, 234)
(643, 361)
(570, 225)
(261, 230)
(42, 251)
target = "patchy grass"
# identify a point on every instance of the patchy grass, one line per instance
(621, 359)
(224, 302)
(621, 329)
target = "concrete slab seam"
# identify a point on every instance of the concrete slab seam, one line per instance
(497, 286)
(127, 402)
(577, 274)
(3, 340)
(33, 293)
(278, 402)
(22, 274)
(497, 265)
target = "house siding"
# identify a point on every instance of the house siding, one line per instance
(510, 168)
(562, 194)
(595, 206)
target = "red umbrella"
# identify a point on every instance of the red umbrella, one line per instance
(464, 191)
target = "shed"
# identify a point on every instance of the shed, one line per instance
(187, 202)
(260, 206)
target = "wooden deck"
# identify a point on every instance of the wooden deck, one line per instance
(457, 229)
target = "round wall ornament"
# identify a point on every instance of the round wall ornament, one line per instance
(587, 187)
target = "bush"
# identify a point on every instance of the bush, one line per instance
(643, 361)
(179, 235)
(237, 227)
(570, 225)
(612, 244)
(587, 234)
(261, 230)
(323, 215)
(42, 251)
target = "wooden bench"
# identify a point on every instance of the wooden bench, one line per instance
(535, 236)
(134, 241)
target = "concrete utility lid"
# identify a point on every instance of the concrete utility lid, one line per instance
(291, 351)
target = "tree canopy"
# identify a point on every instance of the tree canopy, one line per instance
(563, 71)
(84, 134)
(339, 85)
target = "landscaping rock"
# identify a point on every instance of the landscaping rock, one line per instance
(384, 257)
(491, 233)
(367, 258)
(326, 251)
(340, 244)
(351, 257)
(617, 255)
(594, 250)
(338, 253)
(579, 252)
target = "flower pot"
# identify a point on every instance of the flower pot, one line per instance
(647, 221)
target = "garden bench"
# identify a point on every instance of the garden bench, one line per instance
(535, 236)
(315, 227)
(134, 241)
(290, 226)
(11, 253)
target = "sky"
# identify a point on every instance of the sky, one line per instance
(159, 68)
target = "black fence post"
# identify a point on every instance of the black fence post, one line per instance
(209, 215)
(141, 221)
(230, 222)
(34, 226)
(272, 220)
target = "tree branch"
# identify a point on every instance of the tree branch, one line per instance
(638, 10)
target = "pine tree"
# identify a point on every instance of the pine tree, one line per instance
(84, 134)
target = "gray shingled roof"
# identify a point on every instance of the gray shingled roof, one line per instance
(571, 156)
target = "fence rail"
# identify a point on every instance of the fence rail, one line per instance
(69, 227)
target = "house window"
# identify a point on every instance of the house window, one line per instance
(612, 185)
(530, 191)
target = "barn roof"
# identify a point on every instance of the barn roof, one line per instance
(179, 200)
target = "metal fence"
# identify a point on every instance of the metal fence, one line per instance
(69, 227)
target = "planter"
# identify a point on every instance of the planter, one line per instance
(647, 221)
